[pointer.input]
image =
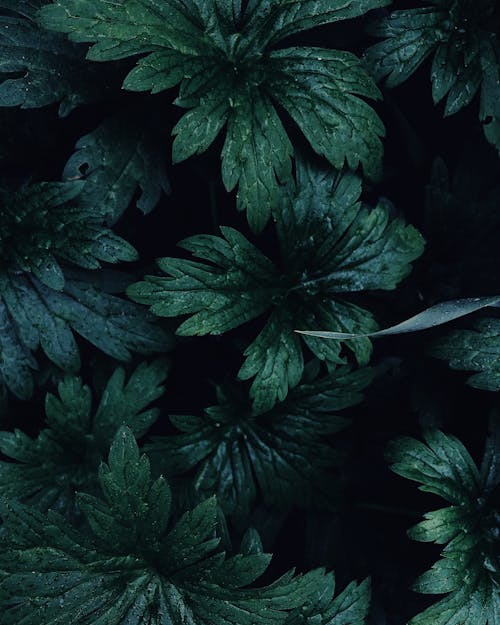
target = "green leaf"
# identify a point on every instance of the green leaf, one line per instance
(467, 606)
(330, 245)
(38, 67)
(236, 287)
(350, 607)
(257, 155)
(319, 89)
(442, 465)
(283, 19)
(198, 128)
(274, 360)
(469, 569)
(281, 456)
(474, 350)
(43, 223)
(147, 570)
(229, 73)
(409, 38)
(120, 156)
(457, 32)
(65, 456)
(33, 315)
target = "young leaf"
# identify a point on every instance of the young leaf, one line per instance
(120, 156)
(38, 67)
(470, 567)
(33, 315)
(462, 36)
(229, 72)
(146, 569)
(280, 456)
(65, 455)
(330, 245)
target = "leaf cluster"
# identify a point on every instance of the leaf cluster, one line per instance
(343, 247)
(223, 56)
(147, 568)
(276, 101)
(462, 37)
(469, 570)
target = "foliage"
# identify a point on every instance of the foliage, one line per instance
(38, 68)
(343, 247)
(65, 456)
(230, 74)
(463, 37)
(474, 350)
(259, 125)
(148, 571)
(41, 304)
(469, 570)
(283, 455)
(119, 156)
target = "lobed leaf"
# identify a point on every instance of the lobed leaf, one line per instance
(462, 37)
(64, 457)
(222, 57)
(148, 570)
(43, 224)
(474, 350)
(281, 456)
(33, 316)
(121, 156)
(38, 68)
(342, 247)
(469, 568)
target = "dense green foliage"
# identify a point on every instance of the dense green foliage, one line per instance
(229, 73)
(462, 35)
(324, 201)
(470, 565)
(344, 247)
(145, 570)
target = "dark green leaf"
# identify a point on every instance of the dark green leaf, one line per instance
(43, 223)
(283, 19)
(65, 456)
(319, 89)
(409, 38)
(233, 289)
(469, 568)
(474, 350)
(38, 68)
(147, 571)
(120, 156)
(460, 34)
(33, 315)
(229, 74)
(257, 155)
(281, 456)
(330, 245)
